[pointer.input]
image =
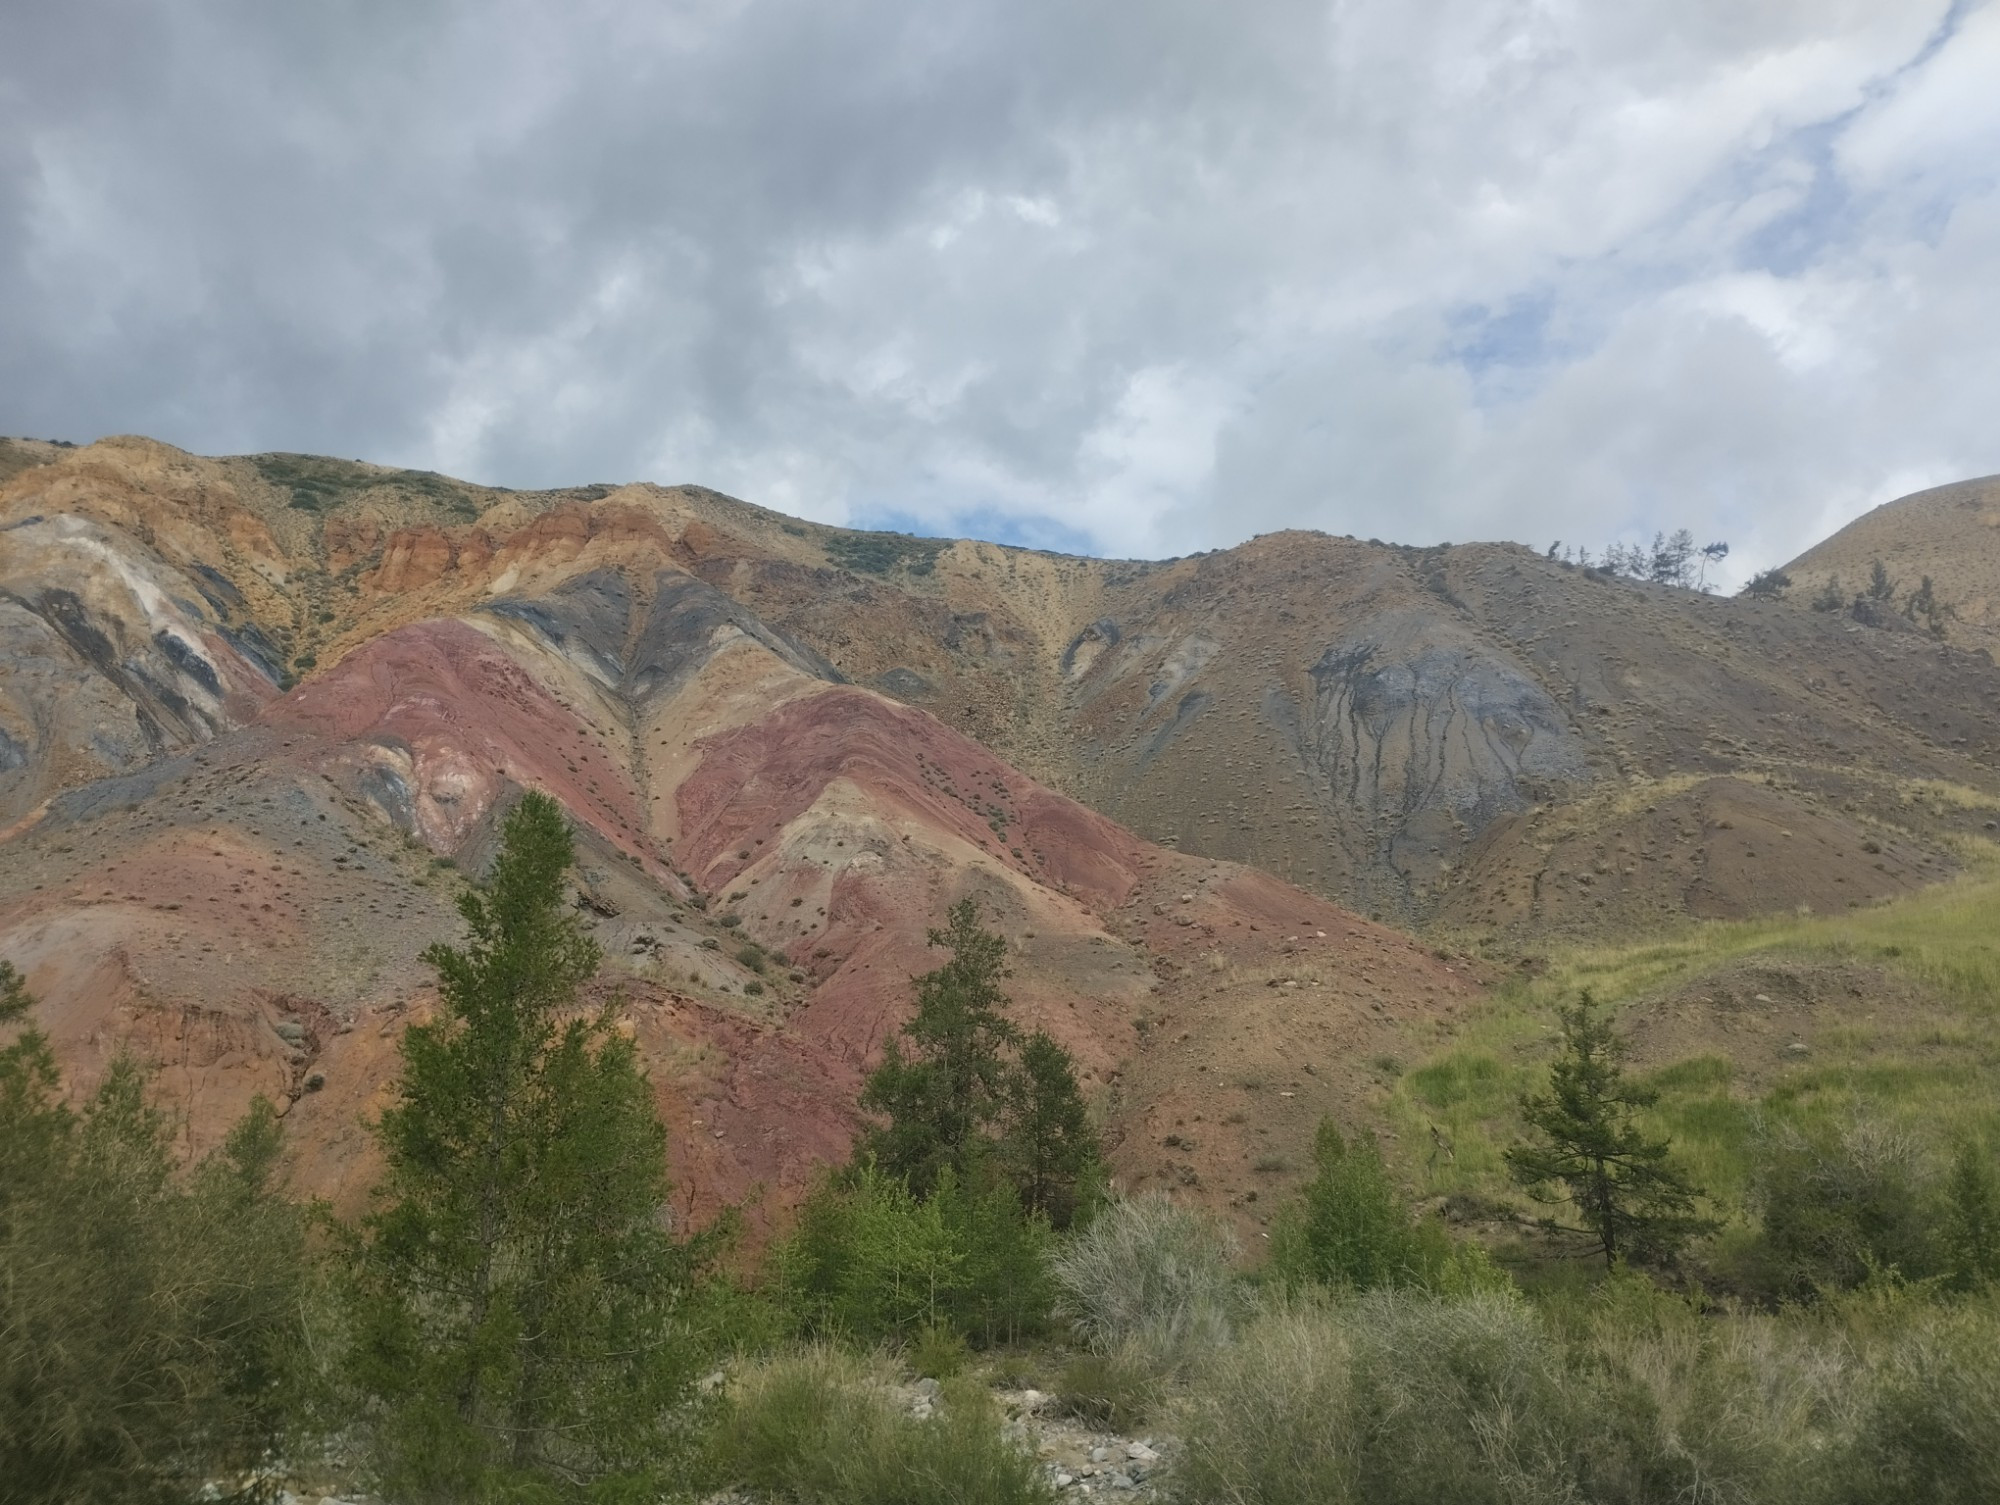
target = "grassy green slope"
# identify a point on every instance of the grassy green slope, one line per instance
(1886, 1013)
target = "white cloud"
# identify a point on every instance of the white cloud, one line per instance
(1943, 116)
(1153, 279)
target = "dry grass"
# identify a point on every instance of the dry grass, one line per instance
(1150, 1282)
(1624, 1395)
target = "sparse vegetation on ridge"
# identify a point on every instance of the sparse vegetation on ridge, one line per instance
(315, 483)
(880, 553)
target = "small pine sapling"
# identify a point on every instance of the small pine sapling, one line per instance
(1586, 1150)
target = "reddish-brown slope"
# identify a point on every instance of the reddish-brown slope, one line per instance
(1368, 721)
(835, 824)
(755, 779)
(438, 717)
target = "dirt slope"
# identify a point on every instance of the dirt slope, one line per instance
(1950, 533)
(247, 907)
(1373, 723)
(248, 704)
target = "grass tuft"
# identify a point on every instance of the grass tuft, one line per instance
(824, 1426)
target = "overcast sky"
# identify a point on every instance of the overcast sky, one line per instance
(1127, 276)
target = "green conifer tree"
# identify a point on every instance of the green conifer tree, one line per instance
(961, 1090)
(941, 1099)
(520, 1321)
(1050, 1146)
(149, 1321)
(1588, 1151)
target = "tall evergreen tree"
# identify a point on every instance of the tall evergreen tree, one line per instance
(520, 1327)
(1587, 1150)
(941, 1099)
(1050, 1146)
(961, 1090)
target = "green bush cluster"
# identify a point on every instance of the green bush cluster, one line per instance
(870, 1260)
(1407, 1396)
(879, 553)
(1351, 1228)
(1839, 1203)
(823, 1426)
(150, 1324)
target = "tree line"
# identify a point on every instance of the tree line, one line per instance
(1671, 559)
(517, 1317)
(1873, 603)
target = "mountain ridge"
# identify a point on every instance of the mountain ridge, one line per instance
(284, 691)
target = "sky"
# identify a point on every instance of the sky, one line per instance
(1135, 279)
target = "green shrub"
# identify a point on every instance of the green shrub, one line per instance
(1969, 1235)
(869, 1260)
(1152, 1279)
(1462, 1400)
(1265, 1422)
(938, 1352)
(1351, 1227)
(1930, 1427)
(1712, 1407)
(821, 1426)
(1838, 1203)
(1396, 1398)
(751, 956)
(151, 1330)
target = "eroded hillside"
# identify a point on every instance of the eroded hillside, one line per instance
(241, 891)
(259, 713)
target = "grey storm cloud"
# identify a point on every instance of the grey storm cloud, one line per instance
(1130, 278)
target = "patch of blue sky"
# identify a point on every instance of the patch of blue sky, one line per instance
(1510, 348)
(985, 524)
(1514, 334)
(1829, 215)
(1823, 216)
